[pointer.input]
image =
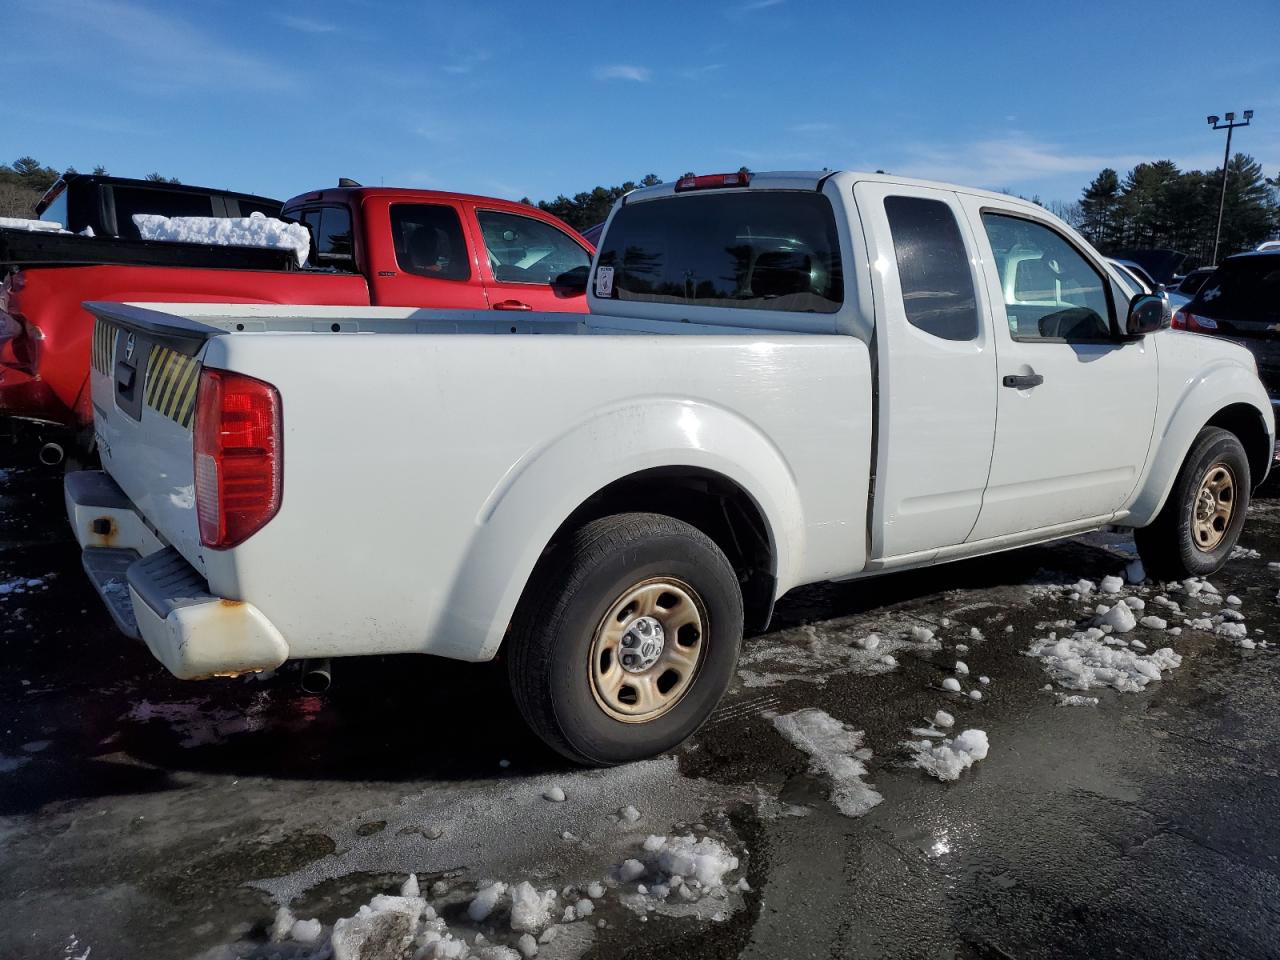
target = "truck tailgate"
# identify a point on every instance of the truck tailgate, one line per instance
(144, 377)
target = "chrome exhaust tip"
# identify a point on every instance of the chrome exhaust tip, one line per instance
(52, 454)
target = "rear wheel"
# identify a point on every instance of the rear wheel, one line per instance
(626, 638)
(1200, 523)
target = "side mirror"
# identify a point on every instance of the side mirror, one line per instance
(571, 283)
(1148, 313)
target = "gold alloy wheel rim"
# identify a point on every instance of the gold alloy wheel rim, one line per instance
(647, 650)
(1214, 505)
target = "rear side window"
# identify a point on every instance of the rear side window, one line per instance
(770, 250)
(428, 241)
(167, 203)
(525, 250)
(1247, 288)
(332, 245)
(933, 268)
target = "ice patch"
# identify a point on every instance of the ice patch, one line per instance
(1075, 700)
(835, 751)
(252, 231)
(950, 758)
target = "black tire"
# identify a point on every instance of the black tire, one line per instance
(1168, 546)
(568, 598)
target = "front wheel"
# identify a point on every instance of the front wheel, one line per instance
(626, 638)
(1194, 533)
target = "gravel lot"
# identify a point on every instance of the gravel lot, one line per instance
(143, 816)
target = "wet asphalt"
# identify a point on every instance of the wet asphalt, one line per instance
(143, 816)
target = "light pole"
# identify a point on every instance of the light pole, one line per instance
(1230, 124)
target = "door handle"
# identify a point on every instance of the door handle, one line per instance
(511, 305)
(1021, 381)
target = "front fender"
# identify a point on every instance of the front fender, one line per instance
(1212, 389)
(548, 483)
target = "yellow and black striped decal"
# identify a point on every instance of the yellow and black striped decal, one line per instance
(171, 384)
(104, 336)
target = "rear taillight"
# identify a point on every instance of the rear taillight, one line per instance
(1184, 319)
(238, 456)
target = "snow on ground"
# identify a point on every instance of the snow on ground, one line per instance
(252, 231)
(814, 653)
(23, 585)
(836, 752)
(679, 875)
(950, 758)
(1091, 658)
(504, 827)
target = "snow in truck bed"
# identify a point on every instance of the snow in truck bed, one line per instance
(255, 230)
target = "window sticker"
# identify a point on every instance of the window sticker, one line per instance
(604, 281)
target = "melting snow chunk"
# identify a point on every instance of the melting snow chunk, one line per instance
(1119, 618)
(554, 794)
(962, 668)
(1111, 585)
(530, 910)
(483, 903)
(921, 634)
(943, 719)
(950, 758)
(1153, 623)
(1083, 661)
(952, 684)
(834, 751)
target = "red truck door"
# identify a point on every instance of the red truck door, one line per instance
(424, 259)
(529, 263)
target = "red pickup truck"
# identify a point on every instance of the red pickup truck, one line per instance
(370, 247)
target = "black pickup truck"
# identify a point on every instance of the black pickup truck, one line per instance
(98, 213)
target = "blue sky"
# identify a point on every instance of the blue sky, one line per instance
(515, 99)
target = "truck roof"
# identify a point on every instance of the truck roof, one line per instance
(810, 180)
(362, 193)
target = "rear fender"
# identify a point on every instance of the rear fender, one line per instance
(544, 488)
(1210, 391)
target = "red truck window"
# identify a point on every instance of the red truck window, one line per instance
(525, 250)
(429, 242)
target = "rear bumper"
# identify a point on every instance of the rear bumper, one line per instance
(155, 595)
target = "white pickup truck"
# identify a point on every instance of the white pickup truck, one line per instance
(785, 378)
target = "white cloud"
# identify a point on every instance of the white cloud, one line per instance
(624, 71)
(1003, 161)
(753, 5)
(812, 128)
(306, 24)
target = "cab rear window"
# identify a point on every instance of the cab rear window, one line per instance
(774, 250)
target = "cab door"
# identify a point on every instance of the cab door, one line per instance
(1076, 404)
(936, 369)
(419, 255)
(529, 263)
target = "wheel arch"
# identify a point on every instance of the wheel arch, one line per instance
(1227, 396)
(698, 462)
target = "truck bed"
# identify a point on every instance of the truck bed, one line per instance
(24, 248)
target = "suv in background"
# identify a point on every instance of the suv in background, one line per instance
(1241, 301)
